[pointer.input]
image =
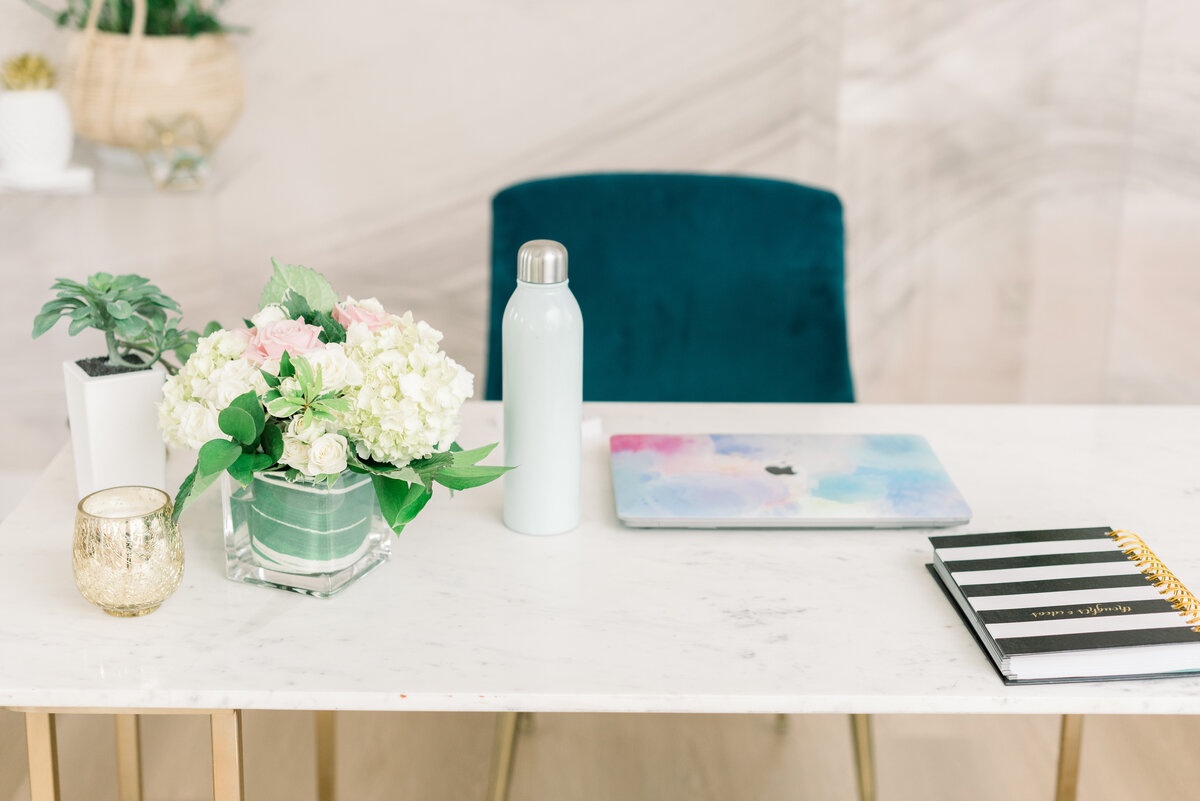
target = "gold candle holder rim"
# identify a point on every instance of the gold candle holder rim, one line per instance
(166, 500)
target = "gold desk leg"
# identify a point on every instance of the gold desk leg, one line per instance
(42, 741)
(326, 757)
(1069, 748)
(503, 750)
(129, 758)
(864, 759)
(227, 755)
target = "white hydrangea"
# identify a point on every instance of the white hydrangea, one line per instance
(407, 404)
(207, 383)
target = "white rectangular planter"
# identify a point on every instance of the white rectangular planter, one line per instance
(114, 428)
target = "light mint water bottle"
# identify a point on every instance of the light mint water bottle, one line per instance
(542, 344)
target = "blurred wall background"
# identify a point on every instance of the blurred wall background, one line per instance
(1021, 177)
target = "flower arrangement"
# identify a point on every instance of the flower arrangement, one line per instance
(313, 387)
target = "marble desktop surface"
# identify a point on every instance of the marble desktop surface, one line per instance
(1021, 186)
(470, 616)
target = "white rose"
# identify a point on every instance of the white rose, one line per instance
(269, 314)
(197, 425)
(307, 433)
(327, 454)
(337, 371)
(295, 454)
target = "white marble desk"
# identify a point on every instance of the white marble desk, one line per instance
(469, 616)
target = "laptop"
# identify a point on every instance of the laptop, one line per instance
(782, 481)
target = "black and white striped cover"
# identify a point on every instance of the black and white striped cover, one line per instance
(1064, 604)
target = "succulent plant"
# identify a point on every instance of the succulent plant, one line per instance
(139, 322)
(28, 72)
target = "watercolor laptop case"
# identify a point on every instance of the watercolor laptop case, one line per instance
(782, 481)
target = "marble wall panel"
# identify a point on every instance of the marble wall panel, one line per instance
(1154, 356)
(375, 134)
(967, 130)
(1020, 176)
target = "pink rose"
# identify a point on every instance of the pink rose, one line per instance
(267, 342)
(369, 312)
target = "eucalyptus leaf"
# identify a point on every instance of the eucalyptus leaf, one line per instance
(247, 464)
(272, 442)
(238, 424)
(214, 456)
(249, 403)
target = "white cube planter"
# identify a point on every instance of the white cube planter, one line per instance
(36, 135)
(114, 428)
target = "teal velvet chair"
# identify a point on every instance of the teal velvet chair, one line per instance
(692, 287)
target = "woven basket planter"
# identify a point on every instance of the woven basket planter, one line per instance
(116, 83)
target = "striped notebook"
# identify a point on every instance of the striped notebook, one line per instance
(1071, 604)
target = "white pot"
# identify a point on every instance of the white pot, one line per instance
(114, 428)
(35, 133)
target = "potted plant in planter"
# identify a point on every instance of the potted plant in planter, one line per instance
(35, 125)
(135, 62)
(328, 424)
(112, 399)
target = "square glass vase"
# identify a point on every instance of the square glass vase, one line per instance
(306, 537)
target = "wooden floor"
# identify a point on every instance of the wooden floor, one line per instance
(632, 757)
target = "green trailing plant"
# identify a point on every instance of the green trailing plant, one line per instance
(139, 322)
(163, 17)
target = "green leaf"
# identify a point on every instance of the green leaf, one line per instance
(399, 501)
(44, 322)
(359, 465)
(304, 372)
(272, 442)
(81, 324)
(215, 455)
(428, 467)
(461, 478)
(286, 369)
(249, 403)
(271, 379)
(306, 282)
(333, 331)
(183, 496)
(332, 404)
(238, 424)
(212, 328)
(130, 328)
(100, 281)
(295, 306)
(283, 407)
(119, 309)
(463, 458)
(246, 465)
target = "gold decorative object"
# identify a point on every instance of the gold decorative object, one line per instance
(176, 152)
(28, 72)
(128, 555)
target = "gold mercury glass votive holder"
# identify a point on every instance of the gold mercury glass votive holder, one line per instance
(127, 555)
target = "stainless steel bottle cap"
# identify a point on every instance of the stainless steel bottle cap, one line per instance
(542, 261)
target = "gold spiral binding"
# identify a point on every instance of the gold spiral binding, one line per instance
(1179, 596)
